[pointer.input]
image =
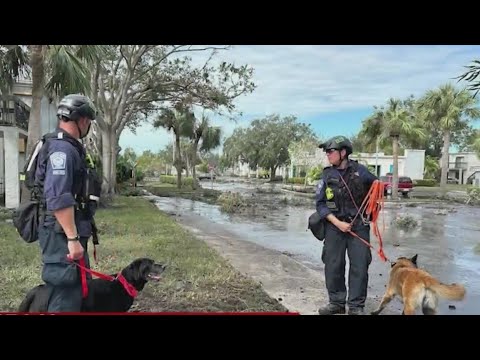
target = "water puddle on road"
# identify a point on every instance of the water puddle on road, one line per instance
(445, 241)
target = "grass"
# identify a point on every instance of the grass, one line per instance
(197, 278)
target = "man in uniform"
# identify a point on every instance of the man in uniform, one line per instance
(66, 222)
(339, 195)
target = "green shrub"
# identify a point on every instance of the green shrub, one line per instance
(315, 173)
(169, 179)
(231, 202)
(425, 182)
(296, 180)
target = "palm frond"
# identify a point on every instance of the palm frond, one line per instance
(66, 72)
(91, 53)
(212, 137)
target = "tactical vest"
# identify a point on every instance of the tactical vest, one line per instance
(86, 184)
(339, 200)
(34, 184)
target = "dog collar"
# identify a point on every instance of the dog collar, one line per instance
(127, 286)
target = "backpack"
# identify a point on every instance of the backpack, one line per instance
(317, 226)
(27, 215)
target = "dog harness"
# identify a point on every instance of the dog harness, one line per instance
(129, 288)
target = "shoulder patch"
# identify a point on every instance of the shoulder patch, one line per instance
(58, 160)
(320, 184)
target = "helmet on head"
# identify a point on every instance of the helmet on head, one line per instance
(75, 106)
(338, 143)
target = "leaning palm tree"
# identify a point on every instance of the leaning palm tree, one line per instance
(392, 123)
(210, 136)
(450, 108)
(180, 120)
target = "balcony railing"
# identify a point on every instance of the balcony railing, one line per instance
(13, 112)
(458, 165)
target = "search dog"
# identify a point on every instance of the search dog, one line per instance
(103, 295)
(417, 288)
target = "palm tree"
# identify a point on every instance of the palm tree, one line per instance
(13, 61)
(450, 108)
(181, 121)
(431, 167)
(471, 76)
(210, 137)
(394, 122)
(56, 70)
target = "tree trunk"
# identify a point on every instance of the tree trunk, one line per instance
(38, 84)
(178, 161)
(445, 158)
(187, 165)
(273, 169)
(395, 168)
(194, 161)
(37, 63)
(107, 150)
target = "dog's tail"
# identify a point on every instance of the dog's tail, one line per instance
(27, 301)
(450, 292)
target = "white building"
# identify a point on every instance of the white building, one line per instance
(243, 170)
(411, 164)
(13, 138)
(464, 168)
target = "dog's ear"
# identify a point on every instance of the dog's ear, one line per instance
(393, 264)
(414, 259)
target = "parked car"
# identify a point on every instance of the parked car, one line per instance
(405, 184)
(206, 176)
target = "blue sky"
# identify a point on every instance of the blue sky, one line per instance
(331, 87)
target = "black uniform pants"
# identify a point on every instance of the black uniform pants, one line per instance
(60, 274)
(336, 244)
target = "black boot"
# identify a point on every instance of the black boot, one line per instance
(355, 311)
(331, 309)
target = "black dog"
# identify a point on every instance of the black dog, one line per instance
(103, 295)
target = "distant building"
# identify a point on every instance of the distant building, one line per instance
(463, 168)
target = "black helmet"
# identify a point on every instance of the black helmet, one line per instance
(75, 106)
(338, 143)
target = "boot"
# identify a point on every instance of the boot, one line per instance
(355, 311)
(331, 309)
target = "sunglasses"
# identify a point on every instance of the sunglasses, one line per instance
(329, 151)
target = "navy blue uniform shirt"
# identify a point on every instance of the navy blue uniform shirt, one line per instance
(320, 197)
(62, 173)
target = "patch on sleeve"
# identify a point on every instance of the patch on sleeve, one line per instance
(319, 186)
(59, 161)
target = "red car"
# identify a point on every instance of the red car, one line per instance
(405, 184)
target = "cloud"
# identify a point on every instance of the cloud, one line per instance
(306, 80)
(309, 81)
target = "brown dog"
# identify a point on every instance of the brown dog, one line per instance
(417, 288)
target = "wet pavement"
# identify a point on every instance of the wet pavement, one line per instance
(445, 241)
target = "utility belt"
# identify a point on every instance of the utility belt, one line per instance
(81, 210)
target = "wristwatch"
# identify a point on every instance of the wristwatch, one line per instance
(76, 238)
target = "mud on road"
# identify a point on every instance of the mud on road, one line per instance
(270, 243)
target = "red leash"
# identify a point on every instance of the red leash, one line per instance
(372, 205)
(129, 288)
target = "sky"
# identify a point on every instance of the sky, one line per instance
(333, 88)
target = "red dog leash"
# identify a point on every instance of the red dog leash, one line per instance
(129, 288)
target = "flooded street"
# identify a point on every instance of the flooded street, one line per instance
(445, 243)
